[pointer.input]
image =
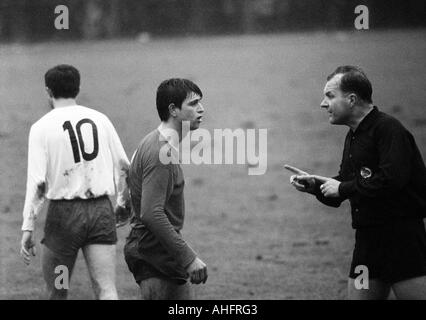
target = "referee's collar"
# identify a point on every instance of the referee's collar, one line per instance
(368, 120)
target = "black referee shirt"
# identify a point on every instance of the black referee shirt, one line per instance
(382, 173)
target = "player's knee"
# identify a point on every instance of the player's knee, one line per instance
(109, 293)
(105, 290)
(154, 289)
(411, 289)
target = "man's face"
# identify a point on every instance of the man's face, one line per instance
(192, 110)
(336, 102)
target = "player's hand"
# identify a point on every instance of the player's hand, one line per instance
(28, 248)
(301, 180)
(330, 188)
(197, 271)
(122, 215)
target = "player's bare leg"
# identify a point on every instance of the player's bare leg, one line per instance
(50, 262)
(411, 289)
(159, 289)
(378, 290)
(100, 260)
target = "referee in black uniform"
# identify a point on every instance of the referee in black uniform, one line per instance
(384, 177)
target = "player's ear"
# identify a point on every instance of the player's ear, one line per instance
(172, 110)
(49, 92)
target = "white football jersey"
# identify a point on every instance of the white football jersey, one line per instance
(73, 152)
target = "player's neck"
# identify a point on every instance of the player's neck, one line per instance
(175, 125)
(61, 103)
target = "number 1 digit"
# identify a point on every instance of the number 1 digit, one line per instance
(67, 126)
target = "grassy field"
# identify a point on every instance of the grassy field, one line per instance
(260, 238)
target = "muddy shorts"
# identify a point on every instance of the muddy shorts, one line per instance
(393, 252)
(73, 224)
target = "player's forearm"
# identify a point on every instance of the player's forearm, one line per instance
(123, 195)
(36, 179)
(158, 223)
(33, 203)
(121, 167)
(121, 172)
(28, 223)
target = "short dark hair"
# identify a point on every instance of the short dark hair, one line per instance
(354, 80)
(175, 91)
(63, 80)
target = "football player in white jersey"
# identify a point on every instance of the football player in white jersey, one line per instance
(75, 160)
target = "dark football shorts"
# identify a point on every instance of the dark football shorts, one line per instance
(73, 224)
(393, 252)
(147, 258)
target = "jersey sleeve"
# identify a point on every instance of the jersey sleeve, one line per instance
(395, 150)
(120, 164)
(157, 187)
(36, 179)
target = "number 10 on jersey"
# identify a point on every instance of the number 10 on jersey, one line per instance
(78, 146)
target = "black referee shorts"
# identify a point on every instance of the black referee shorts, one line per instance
(73, 224)
(393, 252)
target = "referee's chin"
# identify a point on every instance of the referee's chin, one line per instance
(333, 120)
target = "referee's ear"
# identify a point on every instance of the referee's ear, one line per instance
(353, 99)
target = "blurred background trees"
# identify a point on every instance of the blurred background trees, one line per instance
(33, 20)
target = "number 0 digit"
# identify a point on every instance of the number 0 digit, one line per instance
(88, 156)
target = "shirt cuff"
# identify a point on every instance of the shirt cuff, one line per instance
(123, 201)
(28, 224)
(347, 188)
(188, 257)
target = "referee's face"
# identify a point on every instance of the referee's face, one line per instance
(336, 102)
(192, 110)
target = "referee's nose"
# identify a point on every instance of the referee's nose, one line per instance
(324, 104)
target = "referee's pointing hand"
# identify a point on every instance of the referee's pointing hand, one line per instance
(301, 180)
